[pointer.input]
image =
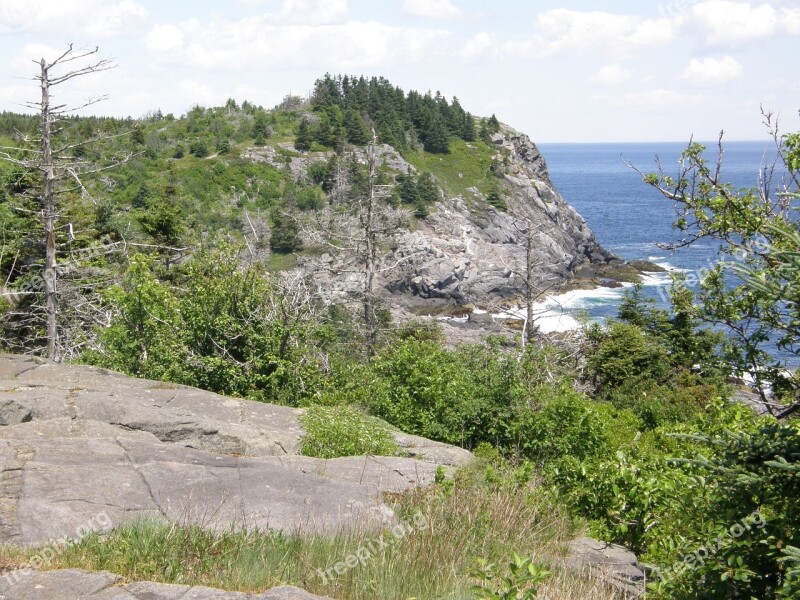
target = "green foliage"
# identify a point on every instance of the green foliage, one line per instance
(344, 103)
(521, 583)
(624, 352)
(261, 128)
(305, 136)
(419, 192)
(337, 431)
(752, 291)
(285, 232)
(753, 508)
(495, 198)
(199, 148)
(563, 423)
(355, 128)
(436, 393)
(226, 329)
(466, 166)
(661, 367)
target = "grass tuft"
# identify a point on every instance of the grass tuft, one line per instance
(447, 527)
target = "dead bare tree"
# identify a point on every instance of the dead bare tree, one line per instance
(57, 165)
(357, 223)
(529, 273)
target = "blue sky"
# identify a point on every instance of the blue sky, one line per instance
(569, 71)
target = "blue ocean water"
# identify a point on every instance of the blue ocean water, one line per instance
(630, 218)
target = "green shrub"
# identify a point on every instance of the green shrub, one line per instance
(218, 329)
(521, 583)
(456, 396)
(623, 353)
(344, 431)
(564, 424)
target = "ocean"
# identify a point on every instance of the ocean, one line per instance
(629, 218)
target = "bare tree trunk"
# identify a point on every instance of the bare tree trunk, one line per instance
(371, 251)
(57, 164)
(49, 216)
(530, 328)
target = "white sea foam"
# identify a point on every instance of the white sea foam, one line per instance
(656, 279)
(554, 313)
(552, 322)
(671, 268)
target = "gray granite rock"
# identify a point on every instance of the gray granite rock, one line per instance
(88, 448)
(468, 251)
(73, 584)
(615, 564)
(33, 389)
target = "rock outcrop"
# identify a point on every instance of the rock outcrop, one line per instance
(69, 584)
(77, 442)
(614, 564)
(466, 250)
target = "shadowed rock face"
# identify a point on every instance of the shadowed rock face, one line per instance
(81, 445)
(469, 251)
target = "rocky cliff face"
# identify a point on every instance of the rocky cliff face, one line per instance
(468, 251)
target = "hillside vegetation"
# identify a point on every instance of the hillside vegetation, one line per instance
(176, 267)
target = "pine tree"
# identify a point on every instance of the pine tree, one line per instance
(285, 234)
(426, 189)
(305, 136)
(468, 131)
(436, 139)
(493, 125)
(407, 189)
(260, 129)
(355, 128)
(485, 135)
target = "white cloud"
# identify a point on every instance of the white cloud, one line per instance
(611, 75)
(729, 23)
(432, 9)
(22, 61)
(649, 100)
(196, 92)
(95, 18)
(249, 3)
(163, 38)
(312, 12)
(478, 45)
(257, 42)
(790, 18)
(563, 31)
(711, 72)
(577, 33)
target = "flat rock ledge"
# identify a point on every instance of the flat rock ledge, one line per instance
(85, 449)
(71, 584)
(615, 564)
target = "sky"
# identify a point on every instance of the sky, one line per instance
(568, 71)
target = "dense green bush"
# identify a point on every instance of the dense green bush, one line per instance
(224, 328)
(624, 353)
(344, 431)
(459, 397)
